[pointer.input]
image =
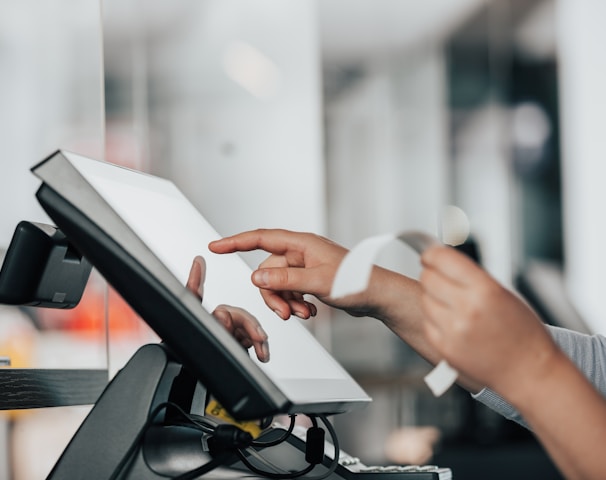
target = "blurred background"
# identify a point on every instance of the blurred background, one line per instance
(477, 120)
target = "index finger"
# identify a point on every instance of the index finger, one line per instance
(275, 241)
(197, 274)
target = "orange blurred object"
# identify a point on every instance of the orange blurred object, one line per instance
(99, 302)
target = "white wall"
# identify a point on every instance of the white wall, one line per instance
(482, 175)
(387, 149)
(581, 39)
(386, 159)
(50, 95)
(235, 113)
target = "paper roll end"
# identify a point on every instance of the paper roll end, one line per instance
(441, 378)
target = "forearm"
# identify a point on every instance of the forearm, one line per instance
(587, 352)
(394, 300)
(568, 416)
(561, 404)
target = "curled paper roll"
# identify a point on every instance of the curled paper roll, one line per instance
(353, 276)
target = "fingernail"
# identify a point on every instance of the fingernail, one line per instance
(261, 278)
(222, 316)
(261, 331)
(279, 314)
(265, 350)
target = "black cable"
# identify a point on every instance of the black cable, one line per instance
(198, 421)
(223, 456)
(335, 442)
(277, 441)
(290, 475)
(136, 443)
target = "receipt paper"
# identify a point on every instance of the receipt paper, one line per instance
(353, 276)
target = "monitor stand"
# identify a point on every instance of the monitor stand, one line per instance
(117, 441)
(112, 431)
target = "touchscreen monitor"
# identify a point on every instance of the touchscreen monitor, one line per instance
(142, 233)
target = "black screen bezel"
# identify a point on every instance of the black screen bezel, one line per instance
(198, 350)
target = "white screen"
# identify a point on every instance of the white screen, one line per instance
(176, 232)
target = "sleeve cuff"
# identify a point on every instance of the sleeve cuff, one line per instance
(495, 402)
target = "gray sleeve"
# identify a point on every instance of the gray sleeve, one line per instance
(588, 352)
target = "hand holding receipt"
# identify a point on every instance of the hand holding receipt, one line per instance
(455, 312)
(353, 276)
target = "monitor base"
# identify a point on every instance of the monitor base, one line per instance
(112, 431)
(119, 441)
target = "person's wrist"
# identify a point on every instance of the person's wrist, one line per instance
(391, 295)
(536, 373)
(378, 294)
